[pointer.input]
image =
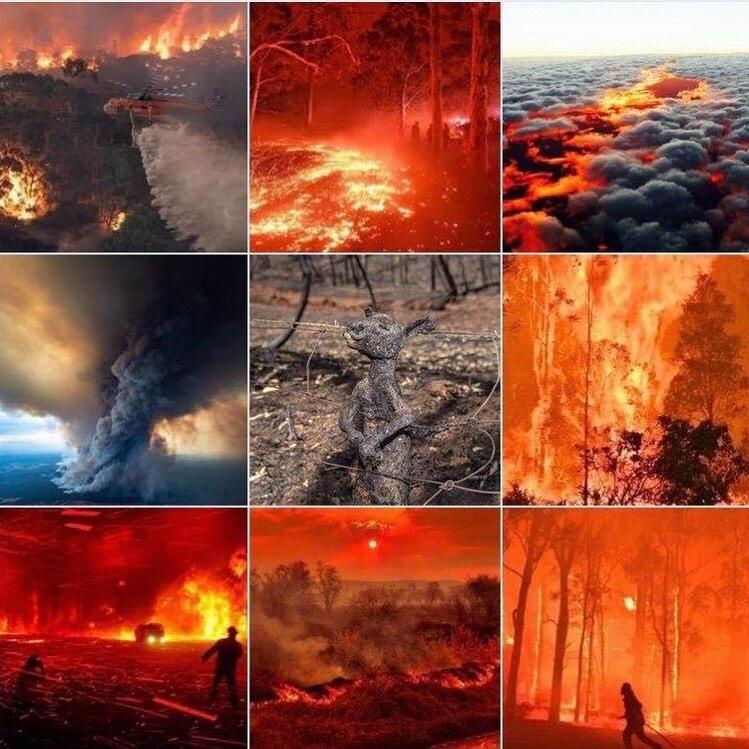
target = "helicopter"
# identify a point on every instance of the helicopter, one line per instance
(151, 103)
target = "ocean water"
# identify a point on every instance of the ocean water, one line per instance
(28, 479)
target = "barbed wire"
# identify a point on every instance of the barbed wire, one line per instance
(315, 327)
(472, 421)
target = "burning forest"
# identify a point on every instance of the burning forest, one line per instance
(375, 380)
(77, 590)
(626, 380)
(640, 152)
(378, 628)
(122, 379)
(374, 126)
(124, 127)
(652, 599)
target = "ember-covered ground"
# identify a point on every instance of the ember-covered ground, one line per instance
(543, 735)
(346, 194)
(100, 693)
(294, 431)
(384, 712)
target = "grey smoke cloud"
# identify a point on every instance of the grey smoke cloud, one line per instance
(146, 338)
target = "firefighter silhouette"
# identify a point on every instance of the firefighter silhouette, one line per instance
(228, 652)
(29, 676)
(634, 717)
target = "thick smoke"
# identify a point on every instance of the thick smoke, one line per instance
(151, 338)
(199, 185)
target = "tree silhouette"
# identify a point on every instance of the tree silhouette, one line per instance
(329, 584)
(710, 380)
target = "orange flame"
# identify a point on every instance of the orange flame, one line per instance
(634, 314)
(23, 191)
(172, 37)
(202, 605)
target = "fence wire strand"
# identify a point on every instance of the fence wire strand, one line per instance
(472, 421)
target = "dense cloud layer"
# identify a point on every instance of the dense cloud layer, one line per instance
(666, 175)
(113, 345)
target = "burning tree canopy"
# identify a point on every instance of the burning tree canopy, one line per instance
(99, 573)
(627, 380)
(363, 119)
(46, 36)
(655, 598)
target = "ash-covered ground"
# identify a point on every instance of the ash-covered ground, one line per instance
(529, 734)
(101, 693)
(294, 433)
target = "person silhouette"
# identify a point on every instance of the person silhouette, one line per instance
(634, 717)
(29, 676)
(228, 652)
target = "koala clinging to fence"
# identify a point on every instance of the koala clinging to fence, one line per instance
(377, 418)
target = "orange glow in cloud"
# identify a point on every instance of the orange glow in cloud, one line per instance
(548, 154)
(413, 544)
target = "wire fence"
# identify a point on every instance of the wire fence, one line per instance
(471, 423)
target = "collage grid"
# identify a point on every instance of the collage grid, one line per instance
(373, 374)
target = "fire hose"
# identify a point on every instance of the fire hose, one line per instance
(658, 733)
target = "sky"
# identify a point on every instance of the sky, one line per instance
(569, 29)
(23, 433)
(382, 544)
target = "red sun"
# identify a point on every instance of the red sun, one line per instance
(372, 543)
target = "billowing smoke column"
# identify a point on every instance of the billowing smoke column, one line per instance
(199, 186)
(144, 339)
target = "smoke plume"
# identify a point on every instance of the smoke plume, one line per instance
(121, 343)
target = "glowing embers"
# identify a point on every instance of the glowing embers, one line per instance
(23, 189)
(321, 197)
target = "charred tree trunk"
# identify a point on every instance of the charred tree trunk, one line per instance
(536, 543)
(301, 306)
(256, 91)
(586, 410)
(538, 646)
(560, 646)
(310, 103)
(478, 129)
(452, 287)
(365, 278)
(435, 66)
(581, 644)
(565, 550)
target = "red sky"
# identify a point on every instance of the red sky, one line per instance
(411, 544)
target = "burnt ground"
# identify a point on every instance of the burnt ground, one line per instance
(293, 431)
(100, 693)
(382, 713)
(530, 734)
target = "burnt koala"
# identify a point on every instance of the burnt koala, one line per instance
(377, 418)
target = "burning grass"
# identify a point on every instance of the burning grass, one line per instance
(381, 711)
